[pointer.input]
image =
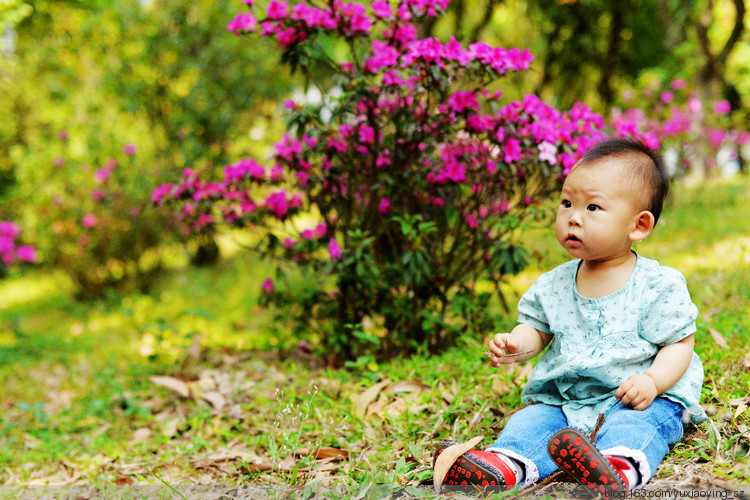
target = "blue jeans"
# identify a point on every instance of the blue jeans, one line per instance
(644, 436)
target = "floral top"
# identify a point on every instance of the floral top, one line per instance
(598, 343)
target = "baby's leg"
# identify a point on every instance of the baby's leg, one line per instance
(524, 438)
(642, 436)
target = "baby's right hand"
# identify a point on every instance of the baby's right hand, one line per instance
(501, 345)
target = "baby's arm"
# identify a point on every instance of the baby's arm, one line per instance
(671, 363)
(522, 339)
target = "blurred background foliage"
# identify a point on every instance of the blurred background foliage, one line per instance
(82, 80)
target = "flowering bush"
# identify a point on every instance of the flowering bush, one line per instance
(691, 130)
(398, 198)
(10, 251)
(95, 221)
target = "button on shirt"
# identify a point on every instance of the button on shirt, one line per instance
(599, 342)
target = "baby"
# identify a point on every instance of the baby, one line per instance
(620, 330)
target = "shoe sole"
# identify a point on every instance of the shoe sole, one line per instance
(574, 453)
(470, 471)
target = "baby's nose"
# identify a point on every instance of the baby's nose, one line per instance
(575, 220)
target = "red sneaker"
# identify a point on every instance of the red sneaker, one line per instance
(574, 453)
(478, 468)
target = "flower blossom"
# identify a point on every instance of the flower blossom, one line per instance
(548, 153)
(384, 206)
(722, 107)
(242, 22)
(267, 286)
(334, 250)
(89, 220)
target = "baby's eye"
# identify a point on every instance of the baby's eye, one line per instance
(565, 204)
(593, 208)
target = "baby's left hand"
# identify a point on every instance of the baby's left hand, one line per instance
(638, 391)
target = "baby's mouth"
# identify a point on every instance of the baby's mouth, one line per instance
(573, 239)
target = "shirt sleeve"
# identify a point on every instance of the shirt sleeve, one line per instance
(530, 310)
(669, 313)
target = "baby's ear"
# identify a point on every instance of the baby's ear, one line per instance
(644, 224)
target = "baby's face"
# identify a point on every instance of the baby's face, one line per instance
(597, 211)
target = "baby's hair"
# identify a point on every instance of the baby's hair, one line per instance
(646, 164)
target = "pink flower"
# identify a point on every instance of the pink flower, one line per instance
(384, 206)
(650, 140)
(160, 192)
(461, 100)
(277, 10)
(382, 9)
(512, 150)
(667, 97)
(277, 203)
(97, 194)
(366, 134)
(716, 137)
(288, 243)
(59, 162)
(8, 228)
(26, 253)
(242, 22)
(722, 107)
(334, 249)
(102, 175)
(267, 287)
(548, 153)
(89, 220)
(320, 230)
(290, 104)
(129, 149)
(679, 84)
(694, 105)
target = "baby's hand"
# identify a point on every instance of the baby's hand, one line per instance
(638, 391)
(502, 347)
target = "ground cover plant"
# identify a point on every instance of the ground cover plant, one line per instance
(173, 390)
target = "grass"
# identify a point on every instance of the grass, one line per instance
(78, 405)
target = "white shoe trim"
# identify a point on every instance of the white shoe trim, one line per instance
(638, 458)
(531, 471)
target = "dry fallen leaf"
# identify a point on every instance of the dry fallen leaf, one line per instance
(447, 458)
(172, 383)
(718, 338)
(734, 403)
(195, 349)
(409, 386)
(362, 401)
(324, 453)
(124, 481)
(215, 399)
(746, 362)
(707, 315)
(140, 435)
(740, 408)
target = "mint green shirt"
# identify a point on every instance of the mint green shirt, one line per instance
(598, 343)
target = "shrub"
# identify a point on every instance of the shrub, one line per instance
(95, 222)
(692, 132)
(391, 208)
